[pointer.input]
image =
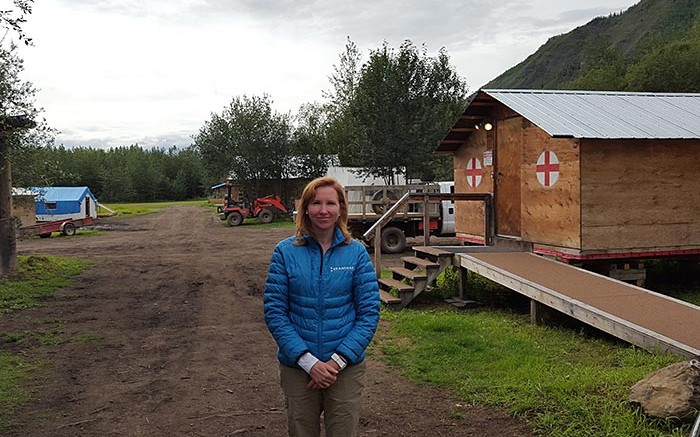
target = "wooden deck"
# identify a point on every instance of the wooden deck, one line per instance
(644, 318)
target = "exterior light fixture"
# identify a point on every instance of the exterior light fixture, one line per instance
(488, 126)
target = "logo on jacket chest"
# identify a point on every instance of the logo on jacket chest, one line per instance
(341, 268)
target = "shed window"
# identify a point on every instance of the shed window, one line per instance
(50, 205)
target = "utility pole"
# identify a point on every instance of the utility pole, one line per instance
(8, 235)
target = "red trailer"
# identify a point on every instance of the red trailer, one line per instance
(66, 226)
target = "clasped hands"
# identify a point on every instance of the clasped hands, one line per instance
(323, 375)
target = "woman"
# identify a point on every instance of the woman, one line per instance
(322, 308)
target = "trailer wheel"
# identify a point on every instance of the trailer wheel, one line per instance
(393, 240)
(266, 216)
(235, 218)
(45, 235)
(68, 229)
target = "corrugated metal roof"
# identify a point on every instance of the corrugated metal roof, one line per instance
(604, 114)
(57, 194)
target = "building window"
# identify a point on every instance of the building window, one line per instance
(50, 205)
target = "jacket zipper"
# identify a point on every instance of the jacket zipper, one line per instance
(319, 333)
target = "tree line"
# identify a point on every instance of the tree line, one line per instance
(119, 174)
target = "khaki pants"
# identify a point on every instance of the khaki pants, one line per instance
(339, 403)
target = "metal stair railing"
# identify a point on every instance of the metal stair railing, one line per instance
(375, 231)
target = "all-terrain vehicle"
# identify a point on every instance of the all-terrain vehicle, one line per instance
(264, 208)
(236, 208)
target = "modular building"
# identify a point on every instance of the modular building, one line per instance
(581, 175)
(62, 203)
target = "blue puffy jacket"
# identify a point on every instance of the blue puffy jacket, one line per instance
(321, 304)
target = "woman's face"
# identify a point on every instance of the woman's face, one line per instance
(324, 209)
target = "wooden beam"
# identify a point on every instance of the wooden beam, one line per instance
(8, 237)
(483, 103)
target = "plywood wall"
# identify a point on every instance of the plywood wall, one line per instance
(469, 216)
(642, 194)
(550, 215)
(547, 215)
(509, 162)
(24, 210)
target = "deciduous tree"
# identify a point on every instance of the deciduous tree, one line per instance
(388, 115)
(248, 140)
(16, 114)
(312, 153)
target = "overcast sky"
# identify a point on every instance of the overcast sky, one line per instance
(118, 72)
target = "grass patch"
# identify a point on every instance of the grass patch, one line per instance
(13, 371)
(565, 383)
(133, 209)
(278, 223)
(36, 276)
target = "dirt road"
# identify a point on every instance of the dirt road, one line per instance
(177, 344)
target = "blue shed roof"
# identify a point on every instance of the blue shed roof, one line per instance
(57, 194)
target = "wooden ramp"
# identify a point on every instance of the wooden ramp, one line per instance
(644, 318)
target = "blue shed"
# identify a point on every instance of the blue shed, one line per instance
(61, 203)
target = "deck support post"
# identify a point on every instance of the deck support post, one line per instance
(426, 220)
(541, 314)
(463, 283)
(378, 251)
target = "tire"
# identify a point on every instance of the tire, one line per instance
(393, 240)
(68, 229)
(45, 235)
(379, 197)
(235, 218)
(266, 216)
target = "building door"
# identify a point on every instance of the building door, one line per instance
(507, 177)
(87, 206)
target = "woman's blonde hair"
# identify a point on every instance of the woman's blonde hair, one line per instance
(303, 222)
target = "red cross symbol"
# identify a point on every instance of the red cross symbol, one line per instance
(547, 168)
(474, 172)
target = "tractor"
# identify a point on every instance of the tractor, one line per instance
(264, 208)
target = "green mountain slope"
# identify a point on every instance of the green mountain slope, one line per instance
(616, 52)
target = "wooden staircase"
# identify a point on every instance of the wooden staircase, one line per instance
(417, 273)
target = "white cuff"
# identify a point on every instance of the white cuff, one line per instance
(307, 361)
(339, 360)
